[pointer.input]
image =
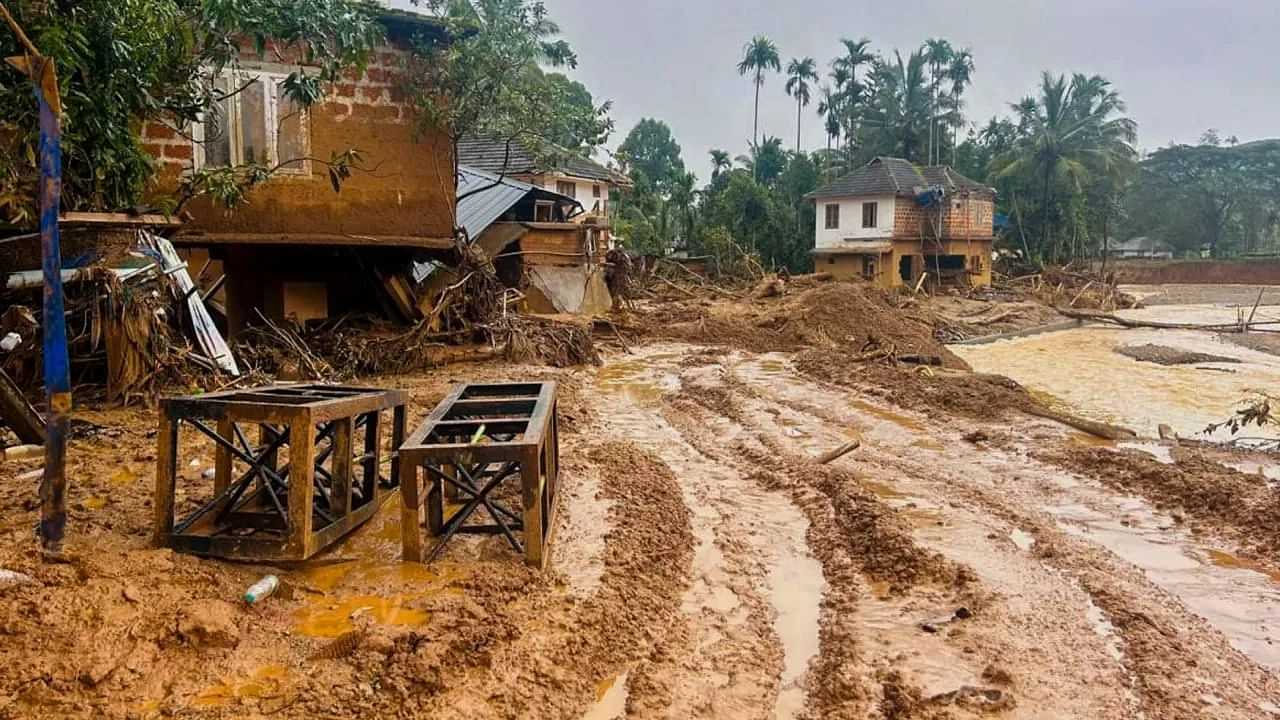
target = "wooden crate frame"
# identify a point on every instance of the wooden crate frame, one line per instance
(271, 512)
(519, 426)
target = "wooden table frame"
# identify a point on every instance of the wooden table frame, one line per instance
(267, 511)
(472, 442)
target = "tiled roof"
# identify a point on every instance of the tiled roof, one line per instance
(895, 176)
(492, 155)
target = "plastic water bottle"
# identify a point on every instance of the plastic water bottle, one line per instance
(262, 589)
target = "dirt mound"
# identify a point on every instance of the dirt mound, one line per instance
(1223, 499)
(853, 317)
(1161, 355)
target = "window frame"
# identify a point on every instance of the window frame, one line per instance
(550, 208)
(874, 207)
(831, 223)
(272, 80)
(572, 186)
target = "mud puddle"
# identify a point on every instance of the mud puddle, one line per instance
(611, 699)
(1239, 598)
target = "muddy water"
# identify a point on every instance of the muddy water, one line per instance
(1235, 596)
(1081, 370)
(726, 509)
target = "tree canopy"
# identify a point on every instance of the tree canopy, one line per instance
(121, 64)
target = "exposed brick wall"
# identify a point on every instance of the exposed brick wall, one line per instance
(409, 192)
(963, 218)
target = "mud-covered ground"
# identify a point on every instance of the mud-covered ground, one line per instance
(966, 561)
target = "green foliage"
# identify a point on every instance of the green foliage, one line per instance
(1072, 143)
(799, 74)
(121, 63)
(490, 83)
(758, 57)
(1225, 197)
(651, 155)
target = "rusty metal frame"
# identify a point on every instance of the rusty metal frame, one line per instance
(476, 439)
(270, 511)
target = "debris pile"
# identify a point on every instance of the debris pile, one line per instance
(1073, 287)
(132, 329)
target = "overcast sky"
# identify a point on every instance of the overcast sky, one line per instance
(1182, 65)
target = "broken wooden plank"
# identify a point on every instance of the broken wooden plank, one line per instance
(18, 414)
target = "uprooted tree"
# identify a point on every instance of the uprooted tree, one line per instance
(121, 64)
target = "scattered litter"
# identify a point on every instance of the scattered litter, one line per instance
(10, 341)
(23, 452)
(261, 590)
(10, 578)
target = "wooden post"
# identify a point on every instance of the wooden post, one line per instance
(166, 475)
(531, 481)
(222, 460)
(410, 512)
(302, 471)
(340, 490)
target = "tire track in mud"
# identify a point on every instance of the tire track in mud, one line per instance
(1177, 664)
(723, 656)
(859, 540)
(1153, 700)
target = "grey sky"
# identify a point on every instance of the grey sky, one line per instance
(1182, 65)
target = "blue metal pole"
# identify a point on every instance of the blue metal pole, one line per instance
(57, 367)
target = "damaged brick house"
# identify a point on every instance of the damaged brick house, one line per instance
(898, 224)
(539, 240)
(570, 175)
(299, 249)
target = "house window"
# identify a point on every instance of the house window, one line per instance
(255, 122)
(567, 188)
(869, 268)
(595, 191)
(869, 214)
(543, 211)
(833, 217)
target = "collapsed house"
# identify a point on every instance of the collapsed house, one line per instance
(539, 241)
(568, 174)
(299, 250)
(897, 224)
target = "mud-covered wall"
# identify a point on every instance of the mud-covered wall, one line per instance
(1207, 272)
(406, 187)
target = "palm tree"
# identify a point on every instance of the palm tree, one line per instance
(829, 110)
(899, 109)
(758, 56)
(719, 162)
(683, 196)
(766, 161)
(960, 73)
(1071, 134)
(800, 73)
(844, 73)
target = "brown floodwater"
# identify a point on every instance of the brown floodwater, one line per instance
(1081, 369)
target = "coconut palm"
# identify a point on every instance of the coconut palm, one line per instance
(720, 162)
(799, 74)
(766, 161)
(759, 56)
(1073, 133)
(898, 109)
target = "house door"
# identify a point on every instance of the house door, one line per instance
(904, 269)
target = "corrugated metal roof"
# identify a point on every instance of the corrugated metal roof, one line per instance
(478, 210)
